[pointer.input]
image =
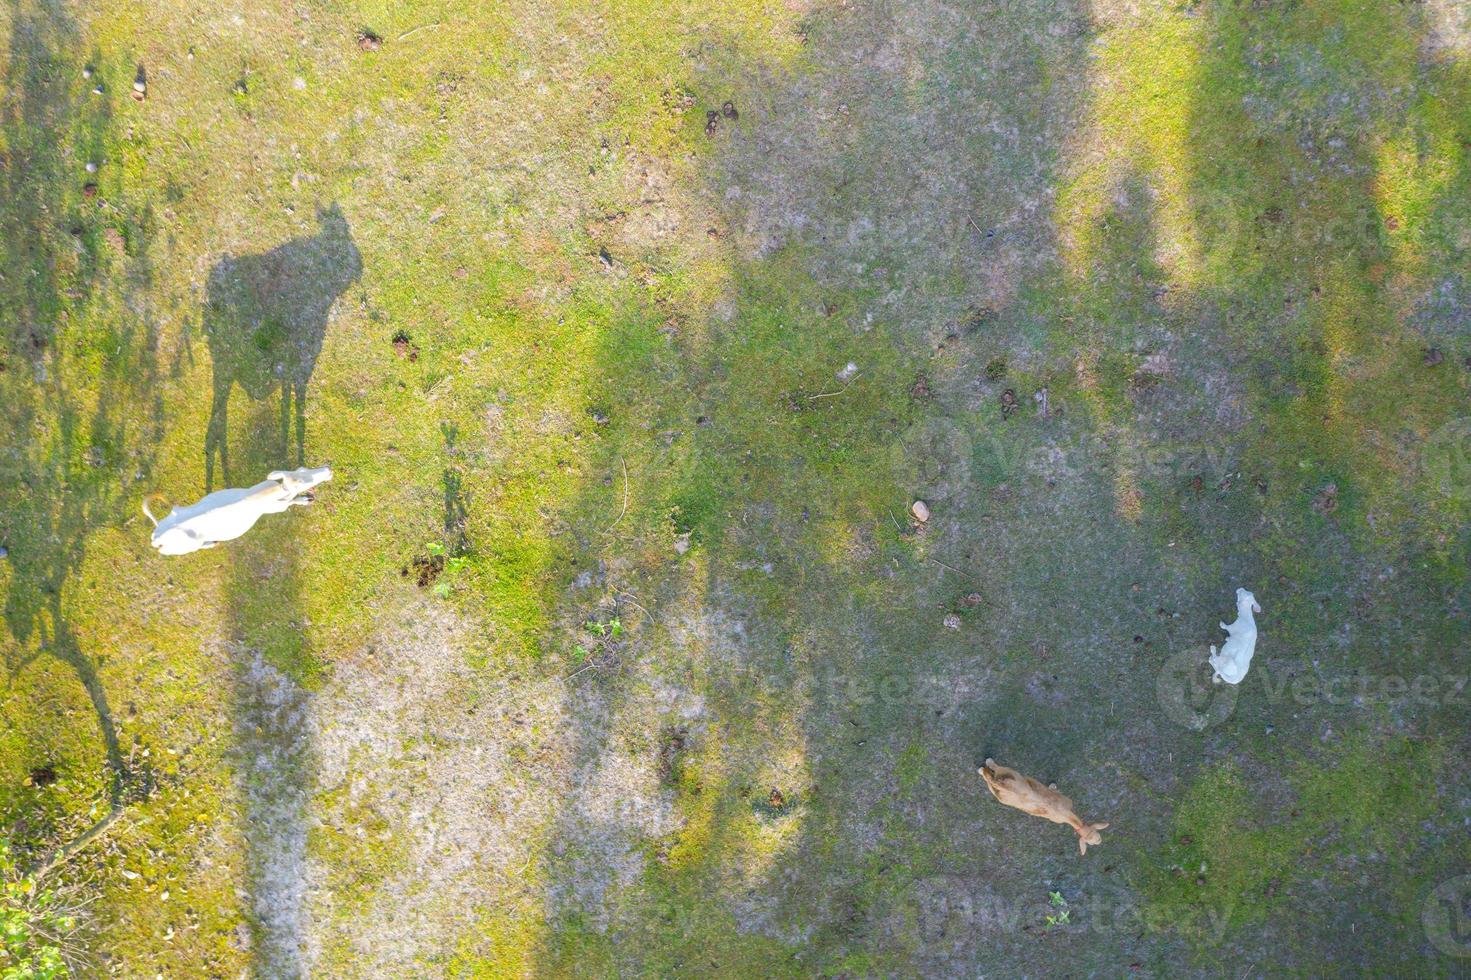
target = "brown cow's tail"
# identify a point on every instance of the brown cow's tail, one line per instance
(148, 513)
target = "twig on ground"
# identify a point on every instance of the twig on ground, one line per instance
(952, 568)
(422, 27)
(625, 497)
(634, 601)
(830, 394)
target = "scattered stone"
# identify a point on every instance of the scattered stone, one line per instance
(952, 621)
(1433, 356)
(369, 41)
(920, 510)
(1325, 501)
(728, 110)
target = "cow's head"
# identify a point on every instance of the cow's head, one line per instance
(1245, 600)
(300, 481)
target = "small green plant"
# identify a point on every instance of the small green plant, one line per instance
(34, 926)
(453, 567)
(1064, 916)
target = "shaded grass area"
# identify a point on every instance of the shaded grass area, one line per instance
(594, 360)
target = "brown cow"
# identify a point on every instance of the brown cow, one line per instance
(1030, 796)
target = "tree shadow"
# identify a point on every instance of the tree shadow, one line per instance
(78, 368)
(265, 320)
(854, 200)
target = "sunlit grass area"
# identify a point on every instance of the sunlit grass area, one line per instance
(632, 334)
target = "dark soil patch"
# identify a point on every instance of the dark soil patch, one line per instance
(424, 569)
(1325, 501)
(672, 742)
(1008, 403)
(728, 110)
(368, 40)
(404, 347)
(975, 318)
(43, 776)
(920, 390)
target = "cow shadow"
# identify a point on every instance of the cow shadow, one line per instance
(265, 319)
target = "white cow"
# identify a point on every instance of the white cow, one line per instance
(226, 514)
(1236, 653)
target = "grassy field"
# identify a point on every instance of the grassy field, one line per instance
(631, 331)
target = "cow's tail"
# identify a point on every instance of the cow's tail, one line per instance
(149, 513)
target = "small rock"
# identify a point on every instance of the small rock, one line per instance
(4, 551)
(91, 166)
(87, 72)
(299, 83)
(846, 374)
(1433, 356)
(952, 621)
(920, 510)
(368, 41)
(972, 600)
(681, 543)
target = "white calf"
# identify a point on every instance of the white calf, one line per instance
(226, 514)
(1235, 656)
